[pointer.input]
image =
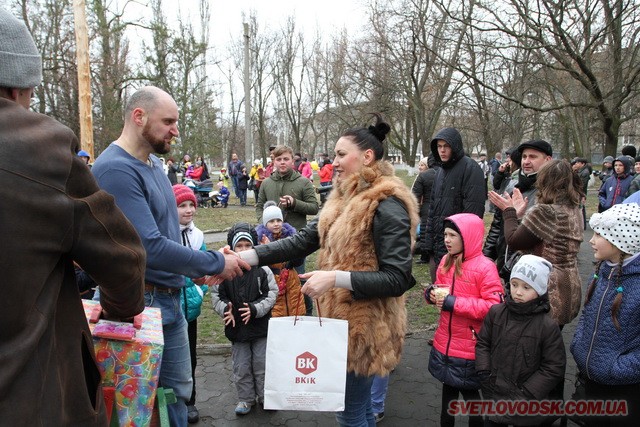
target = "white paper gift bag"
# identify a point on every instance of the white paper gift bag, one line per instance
(306, 364)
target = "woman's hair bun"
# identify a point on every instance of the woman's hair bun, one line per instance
(380, 129)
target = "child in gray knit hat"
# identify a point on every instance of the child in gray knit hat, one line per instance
(520, 353)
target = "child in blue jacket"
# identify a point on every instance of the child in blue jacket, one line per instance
(606, 344)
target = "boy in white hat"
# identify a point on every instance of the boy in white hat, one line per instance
(520, 353)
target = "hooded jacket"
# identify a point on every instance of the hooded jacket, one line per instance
(192, 294)
(459, 186)
(614, 189)
(471, 295)
(520, 346)
(291, 184)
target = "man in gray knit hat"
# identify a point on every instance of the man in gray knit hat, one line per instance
(53, 214)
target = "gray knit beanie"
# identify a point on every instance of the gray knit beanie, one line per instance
(271, 211)
(20, 61)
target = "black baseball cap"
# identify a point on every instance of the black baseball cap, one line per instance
(537, 144)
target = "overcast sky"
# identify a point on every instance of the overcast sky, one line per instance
(227, 15)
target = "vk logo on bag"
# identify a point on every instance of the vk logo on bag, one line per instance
(306, 363)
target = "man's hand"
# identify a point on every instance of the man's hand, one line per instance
(233, 264)
(287, 202)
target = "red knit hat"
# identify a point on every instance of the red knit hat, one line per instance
(184, 193)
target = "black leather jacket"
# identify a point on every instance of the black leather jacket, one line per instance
(392, 244)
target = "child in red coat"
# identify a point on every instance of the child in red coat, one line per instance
(467, 285)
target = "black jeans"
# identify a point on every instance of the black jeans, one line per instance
(449, 394)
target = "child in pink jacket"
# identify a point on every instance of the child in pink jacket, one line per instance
(472, 285)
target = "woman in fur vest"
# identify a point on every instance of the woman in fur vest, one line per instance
(363, 237)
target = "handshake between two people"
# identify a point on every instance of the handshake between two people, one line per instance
(233, 266)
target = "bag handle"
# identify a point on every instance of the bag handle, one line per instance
(295, 318)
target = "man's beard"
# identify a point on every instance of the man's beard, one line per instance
(158, 144)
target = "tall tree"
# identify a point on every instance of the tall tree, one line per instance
(176, 62)
(594, 43)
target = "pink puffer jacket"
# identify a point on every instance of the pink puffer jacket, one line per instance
(472, 294)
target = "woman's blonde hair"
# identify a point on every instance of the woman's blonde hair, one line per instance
(557, 183)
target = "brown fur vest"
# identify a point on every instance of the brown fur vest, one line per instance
(377, 326)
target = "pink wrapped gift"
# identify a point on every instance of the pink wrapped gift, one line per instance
(129, 361)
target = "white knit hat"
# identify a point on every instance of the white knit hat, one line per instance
(620, 225)
(271, 211)
(20, 61)
(534, 271)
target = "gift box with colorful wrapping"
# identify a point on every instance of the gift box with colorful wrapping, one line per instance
(131, 367)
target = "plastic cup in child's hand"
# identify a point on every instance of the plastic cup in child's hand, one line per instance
(441, 292)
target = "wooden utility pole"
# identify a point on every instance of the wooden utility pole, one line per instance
(84, 76)
(248, 143)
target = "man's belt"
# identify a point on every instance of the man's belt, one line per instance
(148, 287)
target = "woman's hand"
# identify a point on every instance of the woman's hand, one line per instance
(519, 202)
(501, 202)
(318, 282)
